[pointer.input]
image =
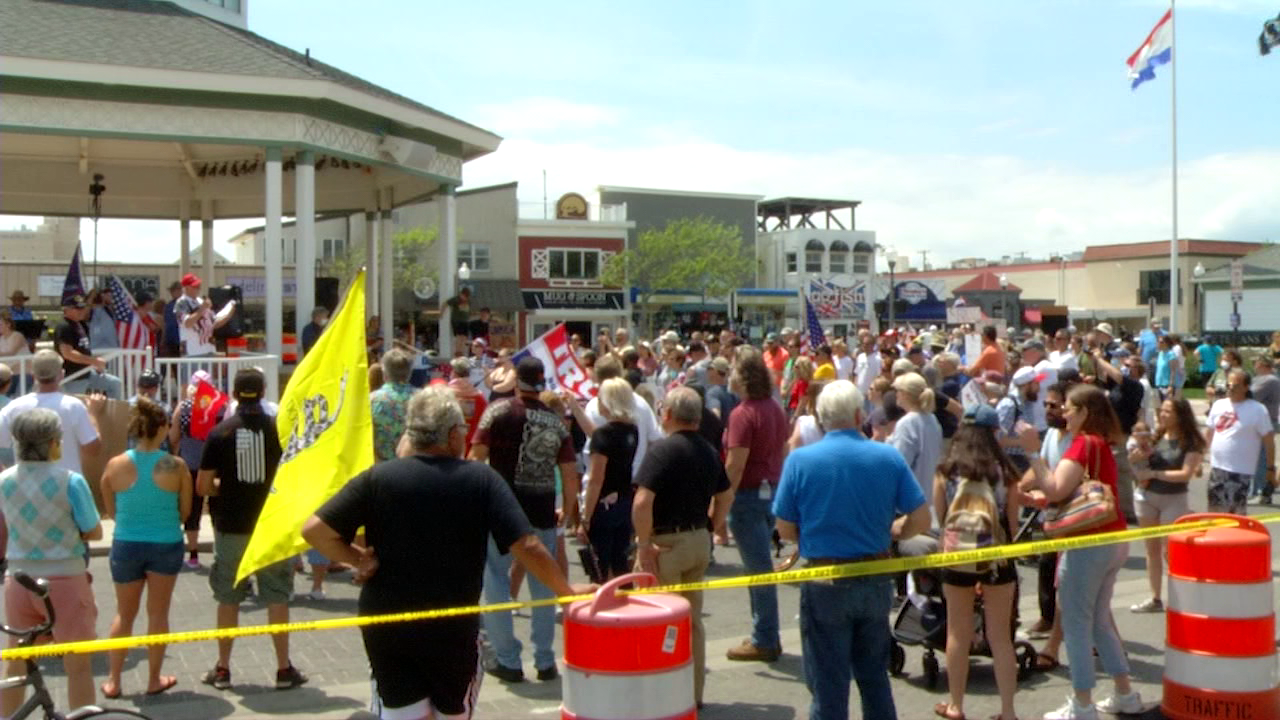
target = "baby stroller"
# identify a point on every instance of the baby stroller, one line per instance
(922, 620)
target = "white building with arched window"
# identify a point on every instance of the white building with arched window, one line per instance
(804, 246)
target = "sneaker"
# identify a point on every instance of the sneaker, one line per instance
(1130, 704)
(1150, 605)
(218, 677)
(746, 652)
(289, 678)
(192, 562)
(1073, 710)
(316, 595)
(549, 673)
(506, 674)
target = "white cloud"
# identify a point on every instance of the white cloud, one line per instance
(955, 205)
(543, 114)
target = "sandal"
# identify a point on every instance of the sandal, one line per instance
(166, 683)
(943, 710)
(109, 695)
(1045, 663)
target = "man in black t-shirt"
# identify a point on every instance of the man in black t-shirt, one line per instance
(680, 484)
(1126, 395)
(525, 441)
(71, 339)
(430, 499)
(237, 468)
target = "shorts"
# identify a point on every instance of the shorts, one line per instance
(75, 613)
(131, 561)
(1161, 508)
(1229, 492)
(1004, 573)
(275, 581)
(419, 666)
(315, 557)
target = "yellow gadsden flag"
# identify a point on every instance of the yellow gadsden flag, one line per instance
(326, 433)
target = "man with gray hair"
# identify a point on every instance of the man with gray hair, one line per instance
(838, 498)
(389, 402)
(80, 439)
(680, 481)
(1240, 428)
(429, 497)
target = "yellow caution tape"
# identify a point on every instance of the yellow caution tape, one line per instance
(811, 574)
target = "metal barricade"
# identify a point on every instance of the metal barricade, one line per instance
(175, 373)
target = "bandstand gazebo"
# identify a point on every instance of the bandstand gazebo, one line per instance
(191, 119)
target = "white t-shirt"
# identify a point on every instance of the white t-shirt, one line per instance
(1150, 403)
(77, 428)
(1064, 360)
(844, 367)
(196, 340)
(646, 424)
(1238, 429)
(867, 368)
(810, 433)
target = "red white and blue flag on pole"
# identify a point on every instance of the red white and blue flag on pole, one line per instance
(813, 336)
(560, 366)
(130, 329)
(1157, 49)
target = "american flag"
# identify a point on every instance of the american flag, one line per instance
(130, 329)
(813, 336)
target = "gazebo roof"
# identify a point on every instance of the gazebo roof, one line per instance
(172, 106)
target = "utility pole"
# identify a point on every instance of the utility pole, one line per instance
(924, 259)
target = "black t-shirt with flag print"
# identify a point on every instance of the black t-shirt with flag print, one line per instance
(244, 452)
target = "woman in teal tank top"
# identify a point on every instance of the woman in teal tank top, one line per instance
(147, 492)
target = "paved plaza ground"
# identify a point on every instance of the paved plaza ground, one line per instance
(339, 687)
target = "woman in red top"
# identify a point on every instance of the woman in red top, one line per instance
(802, 373)
(1087, 577)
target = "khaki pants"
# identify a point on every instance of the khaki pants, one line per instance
(685, 562)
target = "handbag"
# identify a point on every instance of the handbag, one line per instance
(1091, 505)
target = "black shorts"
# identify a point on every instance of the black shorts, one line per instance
(1003, 574)
(437, 660)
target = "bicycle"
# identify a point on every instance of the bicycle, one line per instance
(41, 699)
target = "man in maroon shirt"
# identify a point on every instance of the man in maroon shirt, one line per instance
(756, 439)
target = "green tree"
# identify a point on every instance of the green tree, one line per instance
(410, 253)
(697, 255)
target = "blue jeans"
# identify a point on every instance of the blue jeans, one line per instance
(1086, 580)
(107, 384)
(498, 625)
(751, 522)
(844, 630)
(1260, 484)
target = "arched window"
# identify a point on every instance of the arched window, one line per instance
(839, 260)
(862, 253)
(813, 251)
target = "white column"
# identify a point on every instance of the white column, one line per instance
(370, 263)
(206, 237)
(386, 275)
(304, 266)
(448, 240)
(184, 222)
(272, 238)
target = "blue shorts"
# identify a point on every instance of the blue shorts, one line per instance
(131, 561)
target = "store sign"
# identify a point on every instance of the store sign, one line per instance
(573, 299)
(255, 286)
(836, 301)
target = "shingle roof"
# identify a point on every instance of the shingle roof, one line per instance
(161, 35)
(1160, 248)
(985, 281)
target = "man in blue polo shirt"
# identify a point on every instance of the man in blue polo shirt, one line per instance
(838, 498)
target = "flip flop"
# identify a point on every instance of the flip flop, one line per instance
(1046, 662)
(943, 710)
(108, 695)
(168, 682)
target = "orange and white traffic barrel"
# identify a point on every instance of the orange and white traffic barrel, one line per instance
(237, 346)
(1220, 648)
(289, 348)
(628, 657)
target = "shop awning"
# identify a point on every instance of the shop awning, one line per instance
(1031, 316)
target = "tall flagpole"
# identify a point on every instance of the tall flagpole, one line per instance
(1175, 282)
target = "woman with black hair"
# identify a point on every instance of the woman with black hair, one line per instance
(976, 475)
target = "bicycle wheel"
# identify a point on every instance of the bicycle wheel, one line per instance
(101, 714)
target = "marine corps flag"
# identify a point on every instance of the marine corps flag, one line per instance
(326, 433)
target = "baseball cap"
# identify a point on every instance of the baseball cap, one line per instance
(771, 337)
(200, 376)
(529, 375)
(190, 280)
(787, 330)
(982, 416)
(1033, 344)
(74, 301)
(1120, 353)
(148, 379)
(248, 385)
(1105, 329)
(46, 365)
(1027, 375)
(720, 365)
(480, 341)
(670, 336)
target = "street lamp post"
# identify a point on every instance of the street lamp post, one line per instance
(1198, 272)
(1004, 301)
(893, 262)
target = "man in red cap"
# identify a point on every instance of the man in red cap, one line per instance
(196, 319)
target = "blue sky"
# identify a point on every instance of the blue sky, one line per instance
(1004, 125)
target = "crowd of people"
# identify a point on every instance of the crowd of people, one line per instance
(847, 450)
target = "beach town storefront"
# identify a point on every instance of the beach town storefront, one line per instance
(560, 265)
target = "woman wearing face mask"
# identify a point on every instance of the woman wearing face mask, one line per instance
(1216, 387)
